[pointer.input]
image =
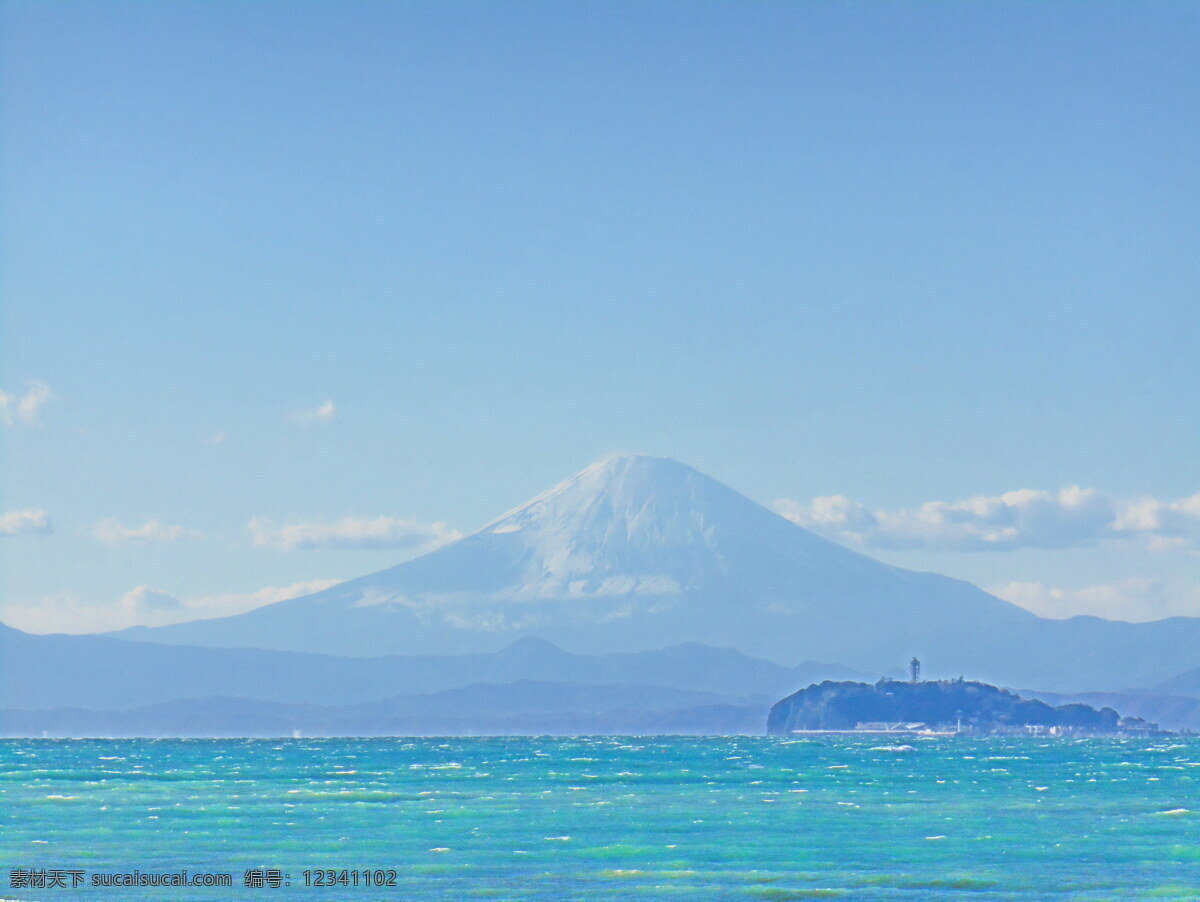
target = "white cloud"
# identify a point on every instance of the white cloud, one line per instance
(150, 531)
(1129, 599)
(1070, 518)
(831, 514)
(24, 408)
(322, 413)
(144, 602)
(216, 438)
(1161, 525)
(353, 532)
(66, 612)
(24, 523)
(209, 606)
(143, 606)
(269, 595)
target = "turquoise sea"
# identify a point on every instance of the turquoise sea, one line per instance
(736, 818)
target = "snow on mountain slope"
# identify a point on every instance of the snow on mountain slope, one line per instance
(641, 552)
(625, 546)
(628, 526)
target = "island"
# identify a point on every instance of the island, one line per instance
(940, 708)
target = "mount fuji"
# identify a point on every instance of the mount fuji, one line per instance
(640, 552)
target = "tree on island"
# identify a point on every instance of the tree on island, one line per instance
(948, 704)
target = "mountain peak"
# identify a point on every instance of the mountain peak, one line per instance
(623, 483)
(533, 648)
(616, 464)
(632, 552)
(625, 524)
(626, 478)
(636, 525)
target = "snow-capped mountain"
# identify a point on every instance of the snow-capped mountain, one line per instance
(641, 552)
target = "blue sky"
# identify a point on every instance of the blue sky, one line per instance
(359, 269)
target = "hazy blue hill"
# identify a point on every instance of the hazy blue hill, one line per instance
(106, 673)
(530, 696)
(1184, 684)
(641, 553)
(530, 686)
(520, 707)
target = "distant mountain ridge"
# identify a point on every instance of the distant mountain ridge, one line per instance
(1182, 684)
(98, 686)
(640, 553)
(102, 673)
(520, 707)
